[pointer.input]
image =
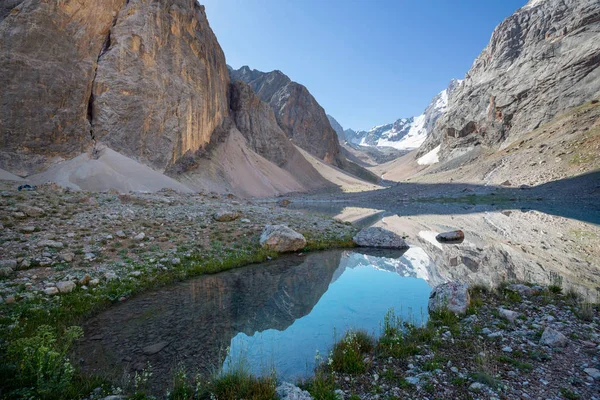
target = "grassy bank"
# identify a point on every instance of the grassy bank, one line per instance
(37, 333)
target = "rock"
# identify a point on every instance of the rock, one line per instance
(25, 264)
(507, 349)
(85, 280)
(27, 229)
(139, 237)
(553, 338)
(593, 372)
(176, 261)
(226, 216)
(453, 296)
(19, 215)
(67, 256)
(245, 220)
(454, 236)
(523, 290)
(281, 239)
(90, 201)
(288, 391)
(10, 299)
(51, 291)
(94, 282)
(284, 202)
(53, 244)
(379, 238)
(154, 348)
(65, 286)
(476, 387)
(6, 272)
(10, 263)
(121, 234)
(413, 380)
(508, 314)
(31, 211)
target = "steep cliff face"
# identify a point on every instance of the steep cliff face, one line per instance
(540, 61)
(337, 128)
(161, 85)
(256, 121)
(48, 57)
(147, 78)
(296, 110)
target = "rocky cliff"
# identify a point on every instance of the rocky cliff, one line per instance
(540, 61)
(337, 128)
(147, 78)
(297, 112)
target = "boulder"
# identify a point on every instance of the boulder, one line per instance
(454, 236)
(288, 391)
(53, 244)
(508, 314)
(10, 263)
(379, 238)
(524, 290)
(553, 338)
(453, 296)
(281, 239)
(31, 211)
(51, 291)
(6, 272)
(65, 286)
(226, 216)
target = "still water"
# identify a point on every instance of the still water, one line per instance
(272, 315)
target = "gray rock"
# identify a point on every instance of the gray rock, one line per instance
(154, 348)
(139, 237)
(6, 272)
(226, 216)
(523, 290)
(288, 391)
(553, 338)
(51, 291)
(593, 372)
(508, 314)
(67, 256)
(53, 244)
(27, 229)
(65, 286)
(31, 211)
(476, 387)
(453, 296)
(121, 234)
(12, 264)
(94, 282)
(379, 238)
(281, 239)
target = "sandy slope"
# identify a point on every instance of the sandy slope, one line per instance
(337, 177)
(111, 170)
(233, 168)
(399, 169)
(7, 176)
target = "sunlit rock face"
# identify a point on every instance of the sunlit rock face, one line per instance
(148, 78)
(540, 61)
(161, 86)
(48, 59)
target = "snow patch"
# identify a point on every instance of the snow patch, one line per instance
(533, 3)
(430, 158)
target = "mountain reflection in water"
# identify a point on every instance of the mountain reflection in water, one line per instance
(271, 315)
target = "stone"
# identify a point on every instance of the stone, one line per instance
(379, 238)
(121, 234)
(10, 299)
(523, 290)
(476, 387)
(67, 256)
(245, 220)
(175, 261)
(31, 211)
(25, 264)
(94, 282)
(85, 280)
(508, 314)
(19, 215)
(553, 338)
(413, 380)
(10, 263)
(154, 348)
(281, 239)
(453, 296)
(27, 229)
(139, 237)
(593, 372)
(51, 291)
(65, 286)
(450, 237)
(226, 216)
(288, 391)
(6, 272)
(53, 244)
(507, 349)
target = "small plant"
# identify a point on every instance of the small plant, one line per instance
(348, 354)
(321, 386)
(567, 394)
(586, 312)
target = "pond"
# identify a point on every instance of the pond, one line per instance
(275, 315)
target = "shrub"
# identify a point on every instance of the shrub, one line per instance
(348, 354)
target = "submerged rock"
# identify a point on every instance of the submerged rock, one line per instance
(282, 239)
(380, 238)
(453, 296)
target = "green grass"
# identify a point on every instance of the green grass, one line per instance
(61, 312)
(238, 384)
(321, 386)
(348, 354)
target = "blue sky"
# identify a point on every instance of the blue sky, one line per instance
(367, 62)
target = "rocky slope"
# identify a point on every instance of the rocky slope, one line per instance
(297, 112)
(540, 61)
(405, 133)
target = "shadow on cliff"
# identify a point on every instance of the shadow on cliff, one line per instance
(576, 198)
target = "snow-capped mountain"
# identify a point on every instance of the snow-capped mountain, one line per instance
(406, 133)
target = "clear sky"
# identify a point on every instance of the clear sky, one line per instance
(367, 62)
